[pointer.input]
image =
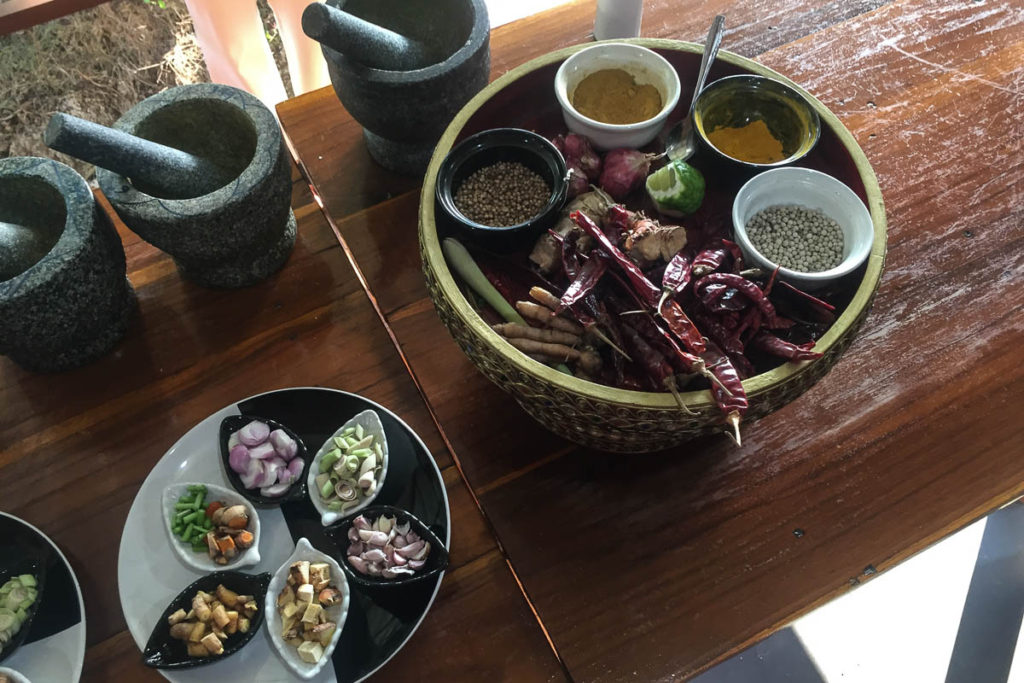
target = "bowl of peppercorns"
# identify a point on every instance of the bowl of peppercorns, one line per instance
(501, 187)
(809, 225)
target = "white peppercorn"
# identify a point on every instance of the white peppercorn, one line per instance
(797, 238)
(502, 194)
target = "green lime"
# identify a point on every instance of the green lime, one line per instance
(677, 189)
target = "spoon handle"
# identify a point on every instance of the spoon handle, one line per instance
(711, 45)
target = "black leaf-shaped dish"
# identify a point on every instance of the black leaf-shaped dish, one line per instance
(231, 424)
(437, 559)
(17, 561)
(164, 652)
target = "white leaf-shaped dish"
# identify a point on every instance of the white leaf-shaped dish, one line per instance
(338, 613)
(13, 675)
(202, 561)
(370, 421)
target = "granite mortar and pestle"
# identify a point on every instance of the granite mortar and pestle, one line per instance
(64, 296)
(199, 171)
(403, 68)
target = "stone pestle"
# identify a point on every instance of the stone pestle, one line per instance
(162, 170)
(363, 41)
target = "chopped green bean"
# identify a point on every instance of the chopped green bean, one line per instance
(359, 431)
(335, 505)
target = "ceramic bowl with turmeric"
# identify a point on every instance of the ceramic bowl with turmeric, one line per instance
(616, 94)
(755, 122)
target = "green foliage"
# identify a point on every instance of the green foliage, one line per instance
(159, 3)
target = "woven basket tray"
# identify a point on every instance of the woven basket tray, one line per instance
(599, 416)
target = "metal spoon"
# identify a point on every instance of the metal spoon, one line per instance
(681, 144)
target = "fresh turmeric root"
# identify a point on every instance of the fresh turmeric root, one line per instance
(546, 317)
(516, 331)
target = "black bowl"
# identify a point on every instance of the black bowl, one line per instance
(231, 424)
(437, 560)
(18, 561)
(164, 652)
(489, 147)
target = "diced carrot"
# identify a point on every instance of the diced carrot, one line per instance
(245, 539)
(213, 507)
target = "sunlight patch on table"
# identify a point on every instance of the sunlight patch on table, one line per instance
(900, 626)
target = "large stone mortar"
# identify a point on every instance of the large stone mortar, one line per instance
(64, 297)
(403, 113)
(236, 235)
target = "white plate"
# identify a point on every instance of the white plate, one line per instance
(149, 579)
(202, 561)
(59, 657)
(372, 426)
(337, 613)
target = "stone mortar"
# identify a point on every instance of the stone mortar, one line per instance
(403, 113)
(64, 296)
(236, 235)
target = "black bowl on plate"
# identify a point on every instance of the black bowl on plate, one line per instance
(15, 562)
(164, 652)
(490, 147)
(437, 560)
(231, 424)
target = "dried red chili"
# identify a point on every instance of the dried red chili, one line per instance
(745, 286)
(673, 315)
(711, 257)
(769, 343)
(676, 276)
(729, 394)
(584, 282)
(813, 299)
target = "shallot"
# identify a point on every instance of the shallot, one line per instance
(385, 548)
(254, 433)
(239, 458)
(625, 170)
(265, 459)
(579, 153)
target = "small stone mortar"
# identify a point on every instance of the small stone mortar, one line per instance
(404, 112)
(64, 297)
(236, 235)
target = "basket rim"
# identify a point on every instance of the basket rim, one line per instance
(434, 258)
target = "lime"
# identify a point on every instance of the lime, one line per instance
(677, 189)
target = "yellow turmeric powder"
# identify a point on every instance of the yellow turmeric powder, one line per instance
(752, 143)
(614, 96)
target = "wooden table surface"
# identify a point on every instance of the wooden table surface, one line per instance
(638, 568)
(654, 567)
(76, 447)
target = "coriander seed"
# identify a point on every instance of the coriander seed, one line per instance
(502, 194)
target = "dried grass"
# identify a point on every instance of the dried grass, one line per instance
(95, 64)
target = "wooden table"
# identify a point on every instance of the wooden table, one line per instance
(643, 568)
(654, 567)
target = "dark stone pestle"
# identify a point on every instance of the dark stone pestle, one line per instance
(370, 44)
(165, 171)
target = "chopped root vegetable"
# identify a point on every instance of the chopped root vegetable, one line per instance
(513, 331)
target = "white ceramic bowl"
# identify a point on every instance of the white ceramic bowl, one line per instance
(202, 561)
(814, 190)
(646, 66)
(305, 551)
(371, 425)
